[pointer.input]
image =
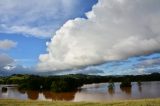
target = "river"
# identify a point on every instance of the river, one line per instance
(90, 92)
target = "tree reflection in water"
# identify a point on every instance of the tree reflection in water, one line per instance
(127, 90)
(33, 95)
(140, 89)
(139, 86)
(21, 91)
(111, 91)
(4, 89)
(59, 96)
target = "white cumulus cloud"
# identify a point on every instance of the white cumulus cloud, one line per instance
(114, 30)
(7, 44)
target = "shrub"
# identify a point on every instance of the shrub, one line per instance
(125, 83)
(111, 85)
(1, 81)
(64, 85)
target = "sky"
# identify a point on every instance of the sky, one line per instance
(100, 37)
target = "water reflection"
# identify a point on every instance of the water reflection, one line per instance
(111, 91)
(68, 96)
(22, 91)
(91, 92)
(33, 95)
(127, 90)
(139, 86)
(4, 89)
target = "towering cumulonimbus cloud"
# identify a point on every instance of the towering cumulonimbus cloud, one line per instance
(113, 30)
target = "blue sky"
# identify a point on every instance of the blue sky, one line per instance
(30, 46)
(27, 50)
(80, 35)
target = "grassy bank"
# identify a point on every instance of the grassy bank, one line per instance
(142, 102)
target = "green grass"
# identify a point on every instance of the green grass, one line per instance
(18, 77)
(142, 102)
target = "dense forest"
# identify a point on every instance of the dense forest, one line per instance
(70, 82)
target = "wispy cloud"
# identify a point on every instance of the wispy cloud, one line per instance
(26, 30)
(37, 18)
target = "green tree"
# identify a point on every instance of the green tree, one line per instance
(111, 85)
(126, 83)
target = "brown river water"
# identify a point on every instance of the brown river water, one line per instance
(90, 92)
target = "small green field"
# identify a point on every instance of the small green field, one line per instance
(142, 102)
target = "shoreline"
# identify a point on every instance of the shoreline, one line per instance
(134, 102)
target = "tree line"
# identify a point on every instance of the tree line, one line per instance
(71, 82)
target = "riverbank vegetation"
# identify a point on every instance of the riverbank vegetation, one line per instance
(66, 83)
(125, 83)
(142, 102)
